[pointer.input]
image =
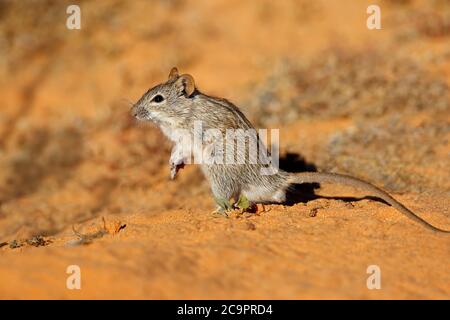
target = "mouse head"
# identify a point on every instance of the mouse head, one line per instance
(168, 101)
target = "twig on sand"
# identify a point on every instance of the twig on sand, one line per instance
(88, 237)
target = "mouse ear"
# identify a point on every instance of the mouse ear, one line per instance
(186, 84)
(173, 75)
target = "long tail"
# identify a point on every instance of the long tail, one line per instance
(324, 177)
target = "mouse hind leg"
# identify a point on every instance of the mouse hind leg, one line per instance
(222, 196)
(223, 190)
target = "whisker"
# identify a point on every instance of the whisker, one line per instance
(144, 124)
(128, 101)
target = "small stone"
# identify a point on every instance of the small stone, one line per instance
(250, 226)
(313, 212)
(14, 244)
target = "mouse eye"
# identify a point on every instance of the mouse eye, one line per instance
(158, 98)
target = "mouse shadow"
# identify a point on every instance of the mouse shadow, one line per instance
(302, 193)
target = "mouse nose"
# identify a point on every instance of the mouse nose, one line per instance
(134, 111)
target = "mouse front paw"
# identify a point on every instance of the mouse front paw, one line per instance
(176, 162)
(174, 168)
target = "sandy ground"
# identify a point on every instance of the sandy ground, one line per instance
(374, 104)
